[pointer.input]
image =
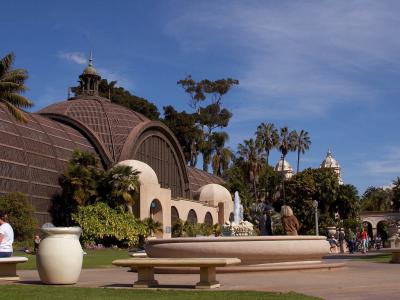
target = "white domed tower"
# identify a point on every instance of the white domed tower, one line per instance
(287, 168)
(330, 162)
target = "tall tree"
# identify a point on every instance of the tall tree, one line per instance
(211, 116)
(11, 86)
(186, 130)
(376, 199)
(267, 139)
(221, 155)
(286, 144)
(252, 155)
(301, 143)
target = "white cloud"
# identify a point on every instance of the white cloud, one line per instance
(388, 164)
(114, 75)
(296, 58)
(75, 57)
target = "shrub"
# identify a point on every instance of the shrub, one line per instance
(20, 215)
(99, 222)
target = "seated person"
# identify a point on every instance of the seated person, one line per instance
(6, 237)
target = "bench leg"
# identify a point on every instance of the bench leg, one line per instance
(145, 278)
(8, 271)
(207, 278)
(395, 258)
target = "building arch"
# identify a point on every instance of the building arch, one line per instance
(192, 217)
(208, 219)
(174, 215)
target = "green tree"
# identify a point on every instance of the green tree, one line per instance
(211, 116)
(20, 215)
(102, 224)
(78, 187)
(121, 186)
(221, 155)
(395, 197)
(375, 199)
(267, 139)
(251, 154)
(152, 226)
(301, 143)
(11, 86)
(286, 144)
(348, 202)
(186, 130)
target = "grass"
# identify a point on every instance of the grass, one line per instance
(379, 258)
(16, 292)
(100, 258)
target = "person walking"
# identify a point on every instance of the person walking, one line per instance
(6, 237)
(364, 236)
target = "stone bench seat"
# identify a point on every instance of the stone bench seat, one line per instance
(8, 267)
(145, 268)
(395, 254)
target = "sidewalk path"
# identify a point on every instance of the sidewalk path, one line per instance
(359, 280)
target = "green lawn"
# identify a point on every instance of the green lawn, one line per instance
(379, 258)
(50, 292)
(101, 258)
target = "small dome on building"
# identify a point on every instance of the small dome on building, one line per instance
(213, 194)
(287, 168)
(329, 161)
(147, 174)
(90, 70)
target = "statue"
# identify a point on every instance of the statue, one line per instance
(289, 221)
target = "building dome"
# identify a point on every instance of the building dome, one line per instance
(213, 194)
(329, 161)
(147, 174)
(287, 168)
(90, 70)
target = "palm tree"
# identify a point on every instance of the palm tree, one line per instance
(302, 143)
(286, 144)
(222, 156)
(124, 185)
(11, 86)
(252, 155)
(267, 138)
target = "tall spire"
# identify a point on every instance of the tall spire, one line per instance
(91, 58)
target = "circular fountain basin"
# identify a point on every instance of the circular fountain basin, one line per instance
(250, 249)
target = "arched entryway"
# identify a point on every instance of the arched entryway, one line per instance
(208, 219)
(368, 228)
(383, 230)
(174, 215)
(192, 217)
(156, 214)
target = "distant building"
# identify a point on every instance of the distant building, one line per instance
(330, 162)
(286, 168)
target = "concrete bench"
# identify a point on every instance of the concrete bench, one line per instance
(8, 267)
(395, 254)
(145, 269)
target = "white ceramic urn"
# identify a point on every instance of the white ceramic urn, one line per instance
(60, 255)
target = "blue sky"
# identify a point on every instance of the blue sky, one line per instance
(329, 67)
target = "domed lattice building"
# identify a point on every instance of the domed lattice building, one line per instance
(33, 155)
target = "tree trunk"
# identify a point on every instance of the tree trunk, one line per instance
(298, 160)
(130, 208)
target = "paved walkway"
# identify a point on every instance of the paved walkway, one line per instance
(359, 280)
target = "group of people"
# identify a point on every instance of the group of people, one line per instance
(359, 241)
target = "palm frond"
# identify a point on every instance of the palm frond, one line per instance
(6, 63)
(11, 87)
(17, 113)
(16, 100)
(16, 76)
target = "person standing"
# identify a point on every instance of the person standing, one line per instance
(289, 221)
(6, 237)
